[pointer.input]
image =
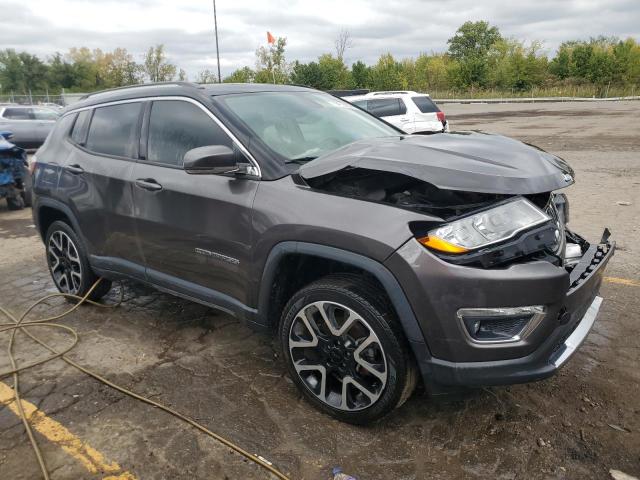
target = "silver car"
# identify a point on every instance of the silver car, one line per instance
(30, 125)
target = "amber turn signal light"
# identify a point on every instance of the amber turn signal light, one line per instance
(440, 245)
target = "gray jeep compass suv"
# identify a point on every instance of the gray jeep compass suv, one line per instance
(378, 259)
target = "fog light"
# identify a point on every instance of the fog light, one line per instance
(500, 325)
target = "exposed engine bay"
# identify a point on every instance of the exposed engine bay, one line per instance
(551, 241)
(410, 193)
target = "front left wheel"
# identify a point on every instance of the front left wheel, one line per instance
(69, 265)
(345, 350)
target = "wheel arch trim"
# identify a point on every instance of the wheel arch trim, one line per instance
(393, 289)
(56, 205)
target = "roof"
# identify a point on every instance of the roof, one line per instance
(391, 92)
(384, 95)
(189, 89)
(231, 88)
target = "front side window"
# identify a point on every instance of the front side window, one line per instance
(175, 127)
(300, 126)
(18, 113)
(114, 130)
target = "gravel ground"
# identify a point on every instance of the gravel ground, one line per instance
(579, 424)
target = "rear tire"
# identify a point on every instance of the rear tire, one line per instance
(15, 203)
(26, 192)
(69, 264)
(352, 362)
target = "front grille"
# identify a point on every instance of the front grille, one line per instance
(501, 329)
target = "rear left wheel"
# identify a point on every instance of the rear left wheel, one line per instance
(69, 265)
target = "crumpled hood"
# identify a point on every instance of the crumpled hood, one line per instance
(468, 161)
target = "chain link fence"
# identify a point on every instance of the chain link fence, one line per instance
(52, 100)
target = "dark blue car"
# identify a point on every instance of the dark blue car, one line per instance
(15, 180)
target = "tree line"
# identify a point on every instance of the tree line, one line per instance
(478, 59)
(82, 70)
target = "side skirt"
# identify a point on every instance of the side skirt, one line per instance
(118, 269)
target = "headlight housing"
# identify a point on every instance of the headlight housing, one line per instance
(485, 228)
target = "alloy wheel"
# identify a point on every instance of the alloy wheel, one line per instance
(338, 356)
(64, 262)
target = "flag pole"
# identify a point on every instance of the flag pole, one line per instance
(215, 26)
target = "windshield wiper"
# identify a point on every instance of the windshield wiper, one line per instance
(301, 160)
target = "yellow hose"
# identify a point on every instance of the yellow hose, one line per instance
(19, 324)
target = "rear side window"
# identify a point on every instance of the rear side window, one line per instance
(79, 132)
(425, 104)
(18, 113)
(386, 107)
(114, 130)
(175, 127)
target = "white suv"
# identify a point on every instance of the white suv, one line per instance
(411, 112)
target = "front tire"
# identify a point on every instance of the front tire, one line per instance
(345, 350)
(69, 265)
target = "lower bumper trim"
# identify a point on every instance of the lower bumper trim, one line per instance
(536, 366)
(573, 342)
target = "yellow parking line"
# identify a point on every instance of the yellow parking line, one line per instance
(56, 433)
(622, 281)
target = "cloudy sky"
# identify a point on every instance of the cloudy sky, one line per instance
(404, 28)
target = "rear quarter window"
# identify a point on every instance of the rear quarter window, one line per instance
(114, 130)
(425, 104)
(61, 129)
(79, 132)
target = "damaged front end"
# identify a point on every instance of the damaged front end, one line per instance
(484, 207)
(504, 291)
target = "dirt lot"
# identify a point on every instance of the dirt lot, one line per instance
(579, 424)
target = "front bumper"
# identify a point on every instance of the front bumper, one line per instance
(540, 364)
(571, 300)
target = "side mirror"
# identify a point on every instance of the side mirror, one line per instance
(212, 159)
(6, 135)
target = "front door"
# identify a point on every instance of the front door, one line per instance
(195, 230)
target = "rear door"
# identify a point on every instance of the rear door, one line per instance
(96, 180)
(195, 230)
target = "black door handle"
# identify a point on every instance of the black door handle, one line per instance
(148, 184)
(75, 169)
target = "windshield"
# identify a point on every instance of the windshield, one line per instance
(301, 126)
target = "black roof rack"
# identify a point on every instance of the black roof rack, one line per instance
(349, 93)
(125, 87)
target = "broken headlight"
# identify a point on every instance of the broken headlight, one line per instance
(485, 228)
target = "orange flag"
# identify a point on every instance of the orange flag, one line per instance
(270, 38)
